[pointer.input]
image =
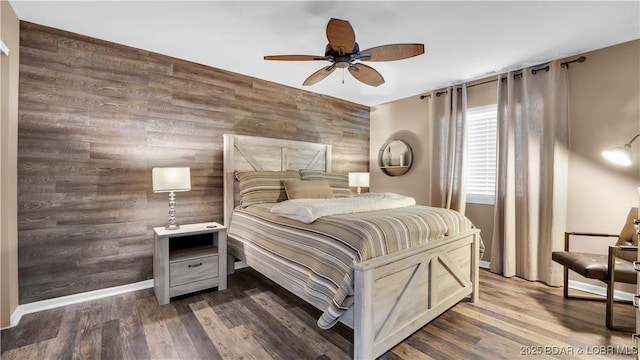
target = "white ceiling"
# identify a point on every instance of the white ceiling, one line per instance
(463, 39)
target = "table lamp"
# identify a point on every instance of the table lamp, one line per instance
(359, 179)
(171, 180)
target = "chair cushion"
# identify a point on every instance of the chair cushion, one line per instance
(594, 266)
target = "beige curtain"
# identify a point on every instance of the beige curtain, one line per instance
(448, 177)
(531, 183)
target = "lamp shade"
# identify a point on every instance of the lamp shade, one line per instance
(620, 155)
(168, 179)
(359, 179)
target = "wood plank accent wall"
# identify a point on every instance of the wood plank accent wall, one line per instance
(95, 117)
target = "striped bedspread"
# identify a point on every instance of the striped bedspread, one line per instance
(316, 258)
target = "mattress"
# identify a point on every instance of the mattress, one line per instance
(315, 260)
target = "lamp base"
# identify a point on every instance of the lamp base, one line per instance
(172, 213)
(172, 227)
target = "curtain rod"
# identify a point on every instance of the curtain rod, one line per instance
(581, 59)
(565, 64)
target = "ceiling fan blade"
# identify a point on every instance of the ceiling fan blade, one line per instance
(366, 74)
(319, 75)
(295, 57)
(340, 34)
(392, 52)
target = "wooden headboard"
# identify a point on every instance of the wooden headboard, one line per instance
(259, 153)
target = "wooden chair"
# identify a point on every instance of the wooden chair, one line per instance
(616, 266)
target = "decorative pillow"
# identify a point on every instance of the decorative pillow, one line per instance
(339, 183)
(257, 187)
(310, 189)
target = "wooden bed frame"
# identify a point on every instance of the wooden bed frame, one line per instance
(396, 294)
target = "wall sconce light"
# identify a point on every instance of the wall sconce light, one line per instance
(171, 180)
(359, 179)
(620, 155)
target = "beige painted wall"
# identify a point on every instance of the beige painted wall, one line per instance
(406, 120)
(604, 111)
(10, 35)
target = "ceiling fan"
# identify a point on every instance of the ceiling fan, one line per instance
(343, 52)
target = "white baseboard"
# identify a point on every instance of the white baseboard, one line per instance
(102, 293)
(75, 298)
(86, 296)
(589, 288)
(599, 290)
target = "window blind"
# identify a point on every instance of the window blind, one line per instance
(481, 154)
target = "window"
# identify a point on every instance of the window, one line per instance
(481, 150)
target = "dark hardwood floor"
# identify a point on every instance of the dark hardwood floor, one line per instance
(255, 319)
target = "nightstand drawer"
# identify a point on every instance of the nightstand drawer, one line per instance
(186, 271)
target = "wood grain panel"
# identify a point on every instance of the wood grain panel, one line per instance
(95, 117)
(256, 319)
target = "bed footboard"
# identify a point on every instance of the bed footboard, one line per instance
(398, 294)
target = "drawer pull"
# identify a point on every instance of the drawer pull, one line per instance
(195, 265)
(636, 265)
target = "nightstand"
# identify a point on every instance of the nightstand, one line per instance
(189, 259)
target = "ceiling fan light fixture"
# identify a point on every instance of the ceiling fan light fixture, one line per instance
(341, 37)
